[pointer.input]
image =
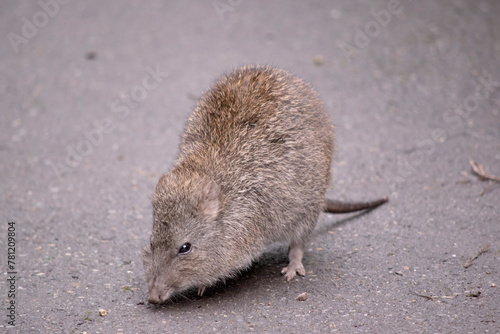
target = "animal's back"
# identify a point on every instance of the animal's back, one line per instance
(264, 137)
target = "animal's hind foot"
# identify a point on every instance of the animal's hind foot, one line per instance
(292, 270)
(295, 253)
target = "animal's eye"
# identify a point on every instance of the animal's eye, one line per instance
(185, 249)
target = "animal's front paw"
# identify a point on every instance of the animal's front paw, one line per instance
(292, 270)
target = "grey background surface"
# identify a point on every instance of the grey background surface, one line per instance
(413, 95)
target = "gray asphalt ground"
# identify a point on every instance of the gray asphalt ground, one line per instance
(94, 96)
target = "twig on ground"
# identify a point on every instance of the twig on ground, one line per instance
(423, 296)
(479, 170)
(468, 263)
(485, 189)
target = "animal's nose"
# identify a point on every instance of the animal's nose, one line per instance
(154, 299)
(155, 296)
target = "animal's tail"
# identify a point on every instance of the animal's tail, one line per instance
(343, 207)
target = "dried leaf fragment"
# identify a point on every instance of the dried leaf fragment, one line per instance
(474, 294)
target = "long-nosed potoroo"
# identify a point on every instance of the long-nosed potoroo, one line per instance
(253, 170)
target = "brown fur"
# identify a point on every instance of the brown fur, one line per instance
(253, 169)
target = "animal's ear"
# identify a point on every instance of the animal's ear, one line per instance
(209, 203)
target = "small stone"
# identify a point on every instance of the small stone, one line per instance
(91, 55)
(102, 312)
(318, 60)
(302, 297)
